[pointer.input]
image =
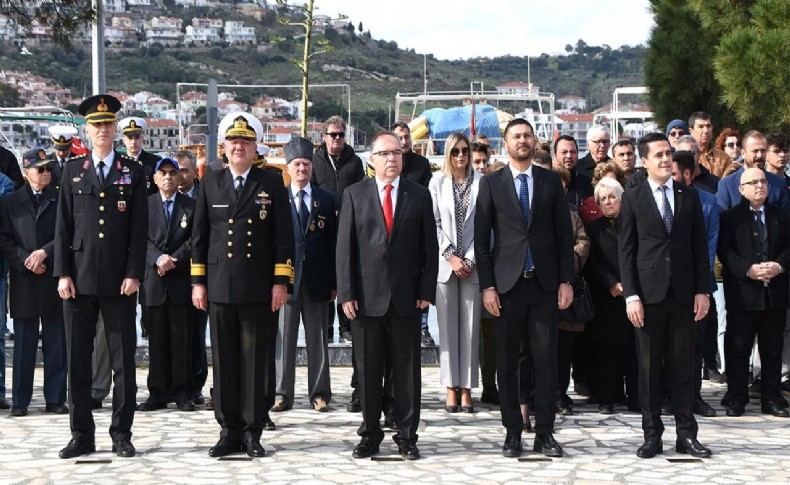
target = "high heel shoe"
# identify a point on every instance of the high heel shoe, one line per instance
(452, 408)
(470, 408)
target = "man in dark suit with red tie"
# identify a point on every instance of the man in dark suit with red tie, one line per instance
(386, 275)
(663, 253)
(524, 254)
(754, 250)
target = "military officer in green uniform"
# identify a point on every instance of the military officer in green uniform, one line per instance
(100, 248)
(242, 271)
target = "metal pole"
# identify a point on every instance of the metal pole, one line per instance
(98, 49)
(211, 120)
(425, 73)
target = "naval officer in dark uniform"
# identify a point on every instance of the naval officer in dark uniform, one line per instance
(62, 138)
(242, 253)
(99, 260)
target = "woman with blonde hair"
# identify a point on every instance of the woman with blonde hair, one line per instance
(458, 304)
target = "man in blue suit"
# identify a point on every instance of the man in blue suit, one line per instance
(754, 151)
(314, 220)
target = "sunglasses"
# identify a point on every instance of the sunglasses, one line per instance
(455, 151)
(47, 168)
(336, 134)
(733, 144)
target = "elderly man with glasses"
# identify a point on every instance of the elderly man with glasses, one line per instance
(598, 142)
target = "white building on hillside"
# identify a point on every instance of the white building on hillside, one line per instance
(164, 30)
(237, 33)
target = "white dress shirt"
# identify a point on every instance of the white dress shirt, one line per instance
(393, 193)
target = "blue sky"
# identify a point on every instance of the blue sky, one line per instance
(460, 29)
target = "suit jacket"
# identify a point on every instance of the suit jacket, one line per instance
(549, 234)
(24, 229)
(729, 196)
(650, 259)
(441, 188)
(57, 173)
(174, 286)
(416, 168)
(98, 239)
(377, 270)
(315, 249)
(349, 171)
(739, 248)
(241, 247)
(586, 165)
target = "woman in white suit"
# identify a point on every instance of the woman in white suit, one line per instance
(458, 304)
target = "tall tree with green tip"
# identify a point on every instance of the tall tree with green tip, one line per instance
(303, 65)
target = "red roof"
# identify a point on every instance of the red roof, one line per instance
(569, 118)
(514, 84)
(161, 123)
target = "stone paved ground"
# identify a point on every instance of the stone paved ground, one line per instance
(314, 448)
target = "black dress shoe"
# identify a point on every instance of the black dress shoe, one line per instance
(223, 448)
(77, 448)
(253, 448)
(186, 406)
(151, 405)
(95, 403)
(512, 447)
(354, 406)
(692, 447)
(123, 448)
(365, 449)
(773, 408)
(605, 409)
(451, 409)
(564, 410)
(650, 448)
(666, 409)
(198, 398)
(268, 424)
(59, 408)
(4, 404)
(701, 408)
(18, 412)
(490, 395)
(546, 444)
(408, 450)
(734, 410)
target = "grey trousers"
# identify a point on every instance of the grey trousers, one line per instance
(315, 317)
(458, 304)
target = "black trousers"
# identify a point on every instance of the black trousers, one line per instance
(53, 346)
(528, 315)
(387, 399)
(487, 353)
(710, 338)
(81, 314)
(742, 326)
(667, 339)
(199, 319)
(242, 346)
(170, 333)
(615, 362)
(567, 342)
(399, 338)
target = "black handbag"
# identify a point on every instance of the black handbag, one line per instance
(582, 309)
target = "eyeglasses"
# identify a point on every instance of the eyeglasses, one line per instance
(604, 141)
(733, 144)
(47, 168)
(755, 183)
(336, 134)
(674, 133)
(387, 153)
(455, 151)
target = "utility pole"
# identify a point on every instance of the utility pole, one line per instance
(425, 73)
(99, 86)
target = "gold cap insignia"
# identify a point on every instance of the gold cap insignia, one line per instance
(102, 106)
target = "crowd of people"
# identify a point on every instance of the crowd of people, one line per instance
(636, 282)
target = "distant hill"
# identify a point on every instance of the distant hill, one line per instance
(375, 69)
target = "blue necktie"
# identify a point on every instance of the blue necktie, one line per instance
(523, 200)
(666, 210)
(761, 233)
(167, 204)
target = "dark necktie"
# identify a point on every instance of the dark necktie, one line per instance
(523, 200)
(387, 207)
(304, 214)
(167, 205)
(239, 186)
(761, 233)
(101, 173)
(37, 198)
(666, 210)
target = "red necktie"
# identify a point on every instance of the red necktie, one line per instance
(388, 209)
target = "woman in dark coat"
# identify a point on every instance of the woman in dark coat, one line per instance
(613, 334)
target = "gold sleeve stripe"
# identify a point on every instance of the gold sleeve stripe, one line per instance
(284, 270)
(198, 271)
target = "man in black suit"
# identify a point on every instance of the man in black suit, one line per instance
(666, 280)
(386, 275)
(754, 250)
(168, 292)
(190, 186)
(62, 137)
(242, 253)
(524, 254)
(314, 220)
(100, 260)
(27, 240)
